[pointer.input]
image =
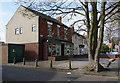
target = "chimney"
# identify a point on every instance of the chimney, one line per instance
(59, 19)
(72, 27)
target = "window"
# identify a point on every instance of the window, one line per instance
(17, 31)
(21, 30)
(65, 33)
(67, 50)
(49, 28)
(33, 28)
(58, 31)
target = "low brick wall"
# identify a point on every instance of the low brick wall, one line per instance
(108, 56)
(4, 54)
(101, 56)
(57, 58)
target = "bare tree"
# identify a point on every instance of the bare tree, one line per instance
(111, 28)
(95, 17)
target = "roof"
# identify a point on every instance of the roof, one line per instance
(44, 16)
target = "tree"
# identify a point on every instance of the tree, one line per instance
(95, 17)
(112, 28)
(104, 48)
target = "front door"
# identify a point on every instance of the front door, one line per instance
(62, 49)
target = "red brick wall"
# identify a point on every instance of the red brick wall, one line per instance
(107, 56)
(69, 34)
(54, 30)
(31, 51)
(43, 27)
(61, 32)
(4, 53)
(45, 52)
(44, 30)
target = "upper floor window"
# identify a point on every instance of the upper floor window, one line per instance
(21, 30)
(17, 31)
(49, 28)
(33, 28)
(84, 41)
(58, 31)
(65, 33)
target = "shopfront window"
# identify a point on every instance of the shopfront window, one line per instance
(67, 50)
(54, 50)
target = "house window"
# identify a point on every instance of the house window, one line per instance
(65, 33)
(49, 28)
(84, 41)
(58, 31)
(21, 30)
(17, 31)
(33, 28)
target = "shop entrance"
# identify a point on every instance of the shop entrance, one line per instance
(62, 49)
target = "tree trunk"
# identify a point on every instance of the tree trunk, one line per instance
(95, 40)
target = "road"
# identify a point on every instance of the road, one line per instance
(12, 73)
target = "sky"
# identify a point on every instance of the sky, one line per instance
(7, 9)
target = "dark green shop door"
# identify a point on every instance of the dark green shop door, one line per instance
(17, 51)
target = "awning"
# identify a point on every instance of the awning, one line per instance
(56, 41)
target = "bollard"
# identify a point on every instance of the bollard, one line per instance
(70, 64)
(51, 64)
(23, 61)
(36, 63)
(14, 61)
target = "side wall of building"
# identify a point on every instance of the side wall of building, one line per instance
(25, 20)
(77, 40)
(31, 51)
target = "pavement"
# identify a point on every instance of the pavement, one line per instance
(77, 69)
(64, 64)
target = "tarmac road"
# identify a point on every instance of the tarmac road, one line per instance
(12, 73)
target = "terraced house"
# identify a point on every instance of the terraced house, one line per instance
(42, 35)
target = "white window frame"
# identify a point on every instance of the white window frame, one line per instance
(17, 31)
(21, 30)
(49, 28)
(33, 28)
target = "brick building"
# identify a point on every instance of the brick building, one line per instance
(42, 35)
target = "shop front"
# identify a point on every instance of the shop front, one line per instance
(59, 49)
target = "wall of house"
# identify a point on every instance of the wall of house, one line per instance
(44, 34)
(31, 51)
(4, 54)
(70, 34)
(25, 19)
(77, 40)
